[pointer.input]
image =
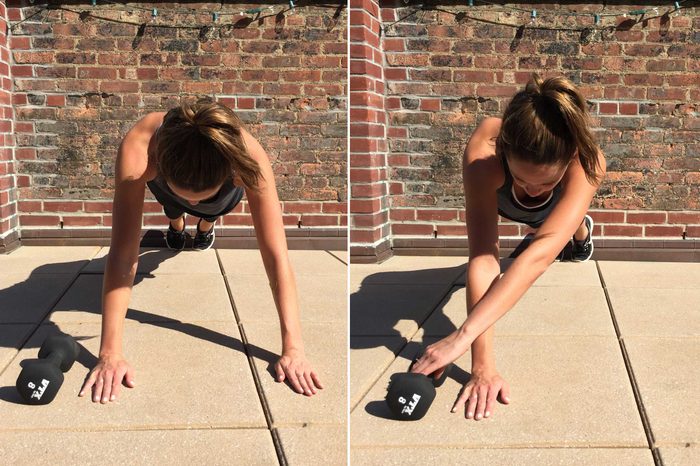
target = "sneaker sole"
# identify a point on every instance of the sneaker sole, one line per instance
(213, 238)
(172, 248)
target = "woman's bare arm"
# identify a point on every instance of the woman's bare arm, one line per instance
(131, 173)
(551, 237)
(269, 231)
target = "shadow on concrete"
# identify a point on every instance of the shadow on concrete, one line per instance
(13, 313)
(370, 301)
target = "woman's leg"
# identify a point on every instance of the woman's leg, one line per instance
(582, 232)
(206, 224)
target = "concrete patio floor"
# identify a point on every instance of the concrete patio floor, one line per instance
(601, 357)
(204, 388)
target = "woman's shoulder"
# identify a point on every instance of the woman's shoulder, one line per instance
(480, 160)
(137, 150)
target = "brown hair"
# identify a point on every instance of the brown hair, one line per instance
(545, 123)
(200, 145)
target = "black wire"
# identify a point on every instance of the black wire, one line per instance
(90, 13)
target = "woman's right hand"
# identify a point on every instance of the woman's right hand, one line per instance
(106, 378)
(480, 393)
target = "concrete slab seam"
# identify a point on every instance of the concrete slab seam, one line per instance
(335, 257)
(630, 373)
(279, 450)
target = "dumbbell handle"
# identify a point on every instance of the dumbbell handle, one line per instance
(55, 357)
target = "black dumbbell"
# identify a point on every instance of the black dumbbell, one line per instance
(39, 381)
(410, 394)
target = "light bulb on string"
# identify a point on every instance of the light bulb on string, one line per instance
(677, 8)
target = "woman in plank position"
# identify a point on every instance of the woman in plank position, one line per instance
(196, 159)
(538, 165)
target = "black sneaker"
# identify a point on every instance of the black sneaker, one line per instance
(175, 239)
(583, 250)
(203, 240)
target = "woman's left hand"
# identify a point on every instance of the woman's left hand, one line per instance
(294, 367)
(441, 353)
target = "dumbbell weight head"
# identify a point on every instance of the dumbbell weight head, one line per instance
(410, 395)
(40, 380)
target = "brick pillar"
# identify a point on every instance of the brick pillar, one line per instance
(9, 225)
(369, 209)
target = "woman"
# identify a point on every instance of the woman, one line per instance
(539, 165)
(196, 159)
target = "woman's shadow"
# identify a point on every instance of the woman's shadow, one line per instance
(14, 313)
(375, 307)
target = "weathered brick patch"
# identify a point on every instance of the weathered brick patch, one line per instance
(447, 66)
(81, 82)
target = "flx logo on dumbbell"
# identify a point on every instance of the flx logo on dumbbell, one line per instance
(36, 394)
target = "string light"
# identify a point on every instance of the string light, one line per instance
(215, 16)
(536, 20)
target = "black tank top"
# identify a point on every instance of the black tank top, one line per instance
(511, 208)
(220, 203)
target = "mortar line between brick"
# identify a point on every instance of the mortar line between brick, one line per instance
(630, 373)
(408, 338)
(279, 451)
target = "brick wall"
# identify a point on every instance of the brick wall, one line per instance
(447, 70)
(368, 129)
(8, 190)
(81, 83)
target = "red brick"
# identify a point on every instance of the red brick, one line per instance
(508, 230)
(431, 105)
(81, 221)
(607, 107)
(39, 220)
(238, 220)
(607, 217)
(319, 220)
(63, 206)
(684, 218)
(98, 206)
(56, 100)
(335, 208)
(365, 236)
(623, 230)
(29, 206)
(436, 215)
(302, 207)
(451, 230)
(629, 108)
(412, 229)
(365, 205)
(663, 230)
(646, 217)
